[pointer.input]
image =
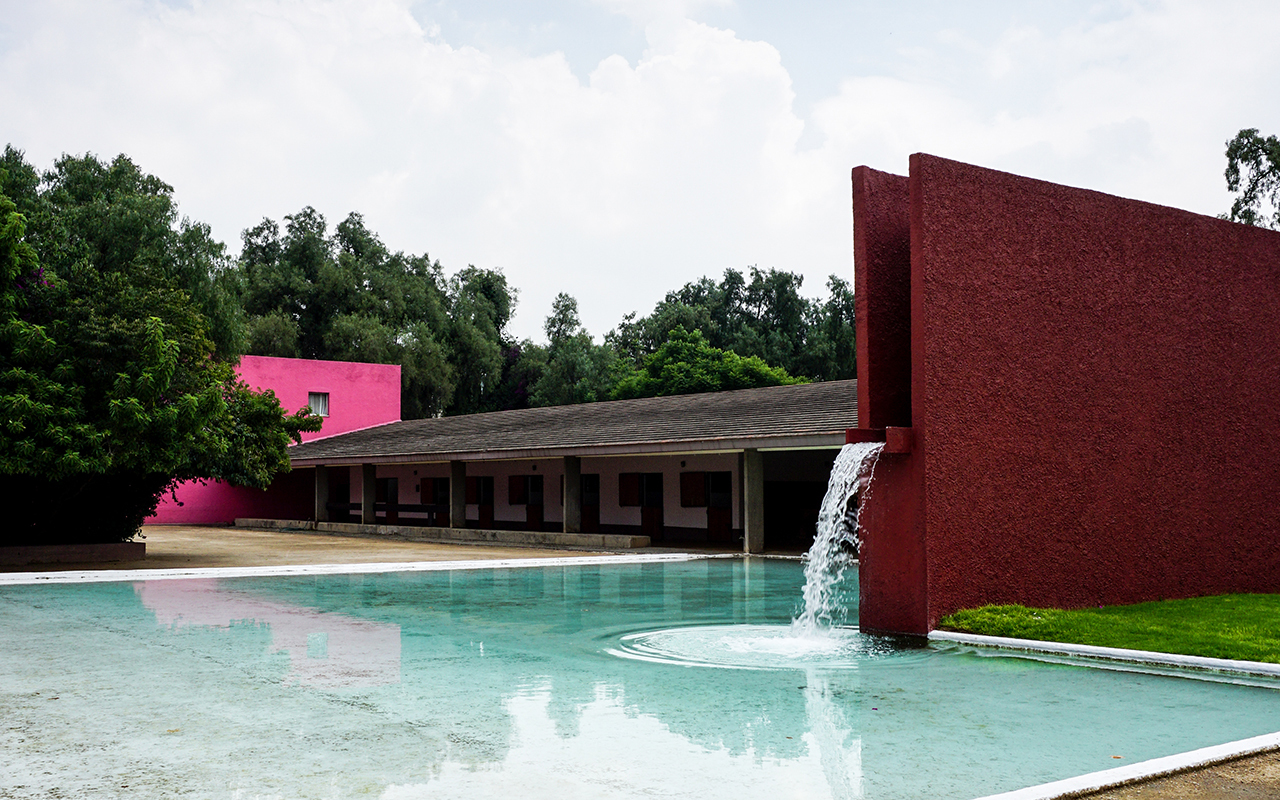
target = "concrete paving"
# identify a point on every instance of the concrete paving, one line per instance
(173, 547)
(186, 547)
(1253, 778)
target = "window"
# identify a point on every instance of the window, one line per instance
(319, 402)
(524, 490)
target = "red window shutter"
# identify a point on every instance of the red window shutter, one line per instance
(629, 488)
(693, 489)
(517, 490)
(473, 490)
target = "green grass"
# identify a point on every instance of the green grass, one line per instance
(1239, 626)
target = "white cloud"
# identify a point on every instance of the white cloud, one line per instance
(647, 174)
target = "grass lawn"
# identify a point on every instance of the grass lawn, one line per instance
(1239, 626)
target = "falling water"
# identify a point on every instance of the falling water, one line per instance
(836, 541)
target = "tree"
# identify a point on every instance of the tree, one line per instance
(687, 364)
(762, 316)
(576, 370)
(831, 352)
(114, 382)
(309, 293)
(1253, 173)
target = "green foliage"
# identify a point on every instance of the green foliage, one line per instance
(1253, 173)
(1237, 626)
(116, 332)
(686, 364)
(576, 370)
(764, 317)
(344, 296)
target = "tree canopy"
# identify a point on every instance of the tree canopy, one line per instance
(1253, 173)
(764, 317)
(687, 364)
(308, 293)
(117, 341)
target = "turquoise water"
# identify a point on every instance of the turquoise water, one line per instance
(541, 682)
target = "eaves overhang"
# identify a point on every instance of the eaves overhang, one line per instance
(728, 444)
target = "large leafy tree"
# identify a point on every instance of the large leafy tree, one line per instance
(576, 370)
(309, 293)
(117, 341)
(1253, 173)
(687, 364)
(763, 316)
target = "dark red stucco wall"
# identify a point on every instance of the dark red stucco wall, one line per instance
(892, 575)
(1094, 396)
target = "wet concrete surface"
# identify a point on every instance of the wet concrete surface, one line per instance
(1253, 778)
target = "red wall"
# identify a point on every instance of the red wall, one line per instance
(1093, 392)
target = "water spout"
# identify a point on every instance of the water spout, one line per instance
(835, 544)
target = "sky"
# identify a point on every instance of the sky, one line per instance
(618, 149)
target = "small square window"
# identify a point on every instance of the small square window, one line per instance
(319, 402)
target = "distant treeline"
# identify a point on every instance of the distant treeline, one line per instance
(302, 288)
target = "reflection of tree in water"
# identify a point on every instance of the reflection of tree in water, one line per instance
(841, 759)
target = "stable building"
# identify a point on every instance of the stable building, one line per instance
(742, 469)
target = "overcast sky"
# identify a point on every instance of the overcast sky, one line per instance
(617, 149)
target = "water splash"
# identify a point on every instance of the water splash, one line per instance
(836, 543)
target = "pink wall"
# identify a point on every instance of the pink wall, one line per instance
(1093, 386)
(360, 396)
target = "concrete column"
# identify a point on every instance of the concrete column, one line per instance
(368, 492)
(457, 494)
(322, 493)
(572, 494)
(752, 501)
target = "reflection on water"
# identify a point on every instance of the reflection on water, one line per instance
(473, 683)
(325, 650)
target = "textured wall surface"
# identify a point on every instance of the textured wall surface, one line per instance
(1094, 386)
(360, 396)
(891, 574)
(882, 297)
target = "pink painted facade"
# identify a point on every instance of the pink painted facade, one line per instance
(358, 396)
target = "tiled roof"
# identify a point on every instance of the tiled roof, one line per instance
(813, 414)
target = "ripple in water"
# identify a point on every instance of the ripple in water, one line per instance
(753, 647)
(814, 639)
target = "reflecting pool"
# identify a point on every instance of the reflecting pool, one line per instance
(562, 681)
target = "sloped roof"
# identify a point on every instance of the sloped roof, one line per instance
(808, 415)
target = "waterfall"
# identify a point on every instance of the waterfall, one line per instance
(836, 540)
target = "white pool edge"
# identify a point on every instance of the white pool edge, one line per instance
(108, 575)
(1142, 770)
(1111, 653)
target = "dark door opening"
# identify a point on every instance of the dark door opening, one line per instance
(526, 490)
(435, 495)
(651, 505)
(791, 513)
(387, 495)
(480, 495)
(720, 506)
(714, 492)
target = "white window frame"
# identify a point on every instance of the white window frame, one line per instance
(319, 403)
